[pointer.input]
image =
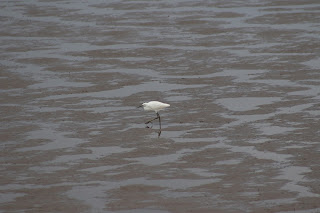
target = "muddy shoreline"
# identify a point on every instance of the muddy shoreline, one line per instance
(242, 132)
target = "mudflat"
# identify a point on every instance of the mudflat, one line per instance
(241, 134)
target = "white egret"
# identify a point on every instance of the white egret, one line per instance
(155, 106)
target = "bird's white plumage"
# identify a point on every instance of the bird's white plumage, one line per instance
(154, 106)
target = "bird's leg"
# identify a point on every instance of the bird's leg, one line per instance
(153, 119)
(159, 120)
(149, 126)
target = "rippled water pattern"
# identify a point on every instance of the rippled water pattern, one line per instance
(242, 132)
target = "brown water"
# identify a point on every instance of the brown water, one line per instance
(242, 132)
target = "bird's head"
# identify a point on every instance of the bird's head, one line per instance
(142, 105)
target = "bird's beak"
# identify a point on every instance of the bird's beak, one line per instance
(139, 106)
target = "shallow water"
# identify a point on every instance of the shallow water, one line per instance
(242, 132)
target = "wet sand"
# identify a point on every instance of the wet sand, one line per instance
(242, 132)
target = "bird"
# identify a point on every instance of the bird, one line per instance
(155, 106)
